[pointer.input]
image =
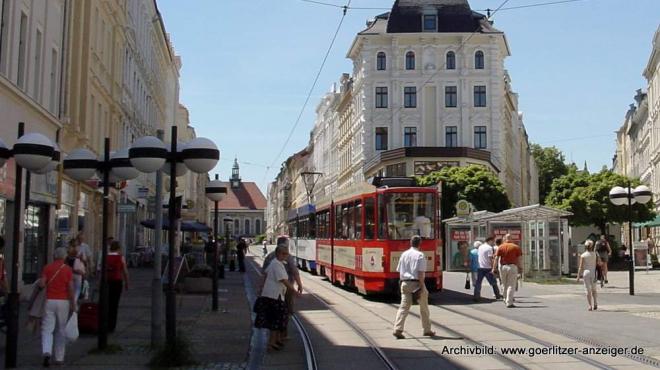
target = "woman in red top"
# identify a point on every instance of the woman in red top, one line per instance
(117, 279)
(57, 278)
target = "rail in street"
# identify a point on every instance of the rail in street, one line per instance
(345, 322)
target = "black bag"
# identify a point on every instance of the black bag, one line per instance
(467, 281)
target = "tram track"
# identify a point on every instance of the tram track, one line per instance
(510, 363)
(311, 360)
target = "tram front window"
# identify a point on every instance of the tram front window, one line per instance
(410, 214)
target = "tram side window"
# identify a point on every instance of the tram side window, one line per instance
(369, 219)
(311, 224)
(358, 220)
(382, 218)
(321, 225)
(338, 223)
(350, 221)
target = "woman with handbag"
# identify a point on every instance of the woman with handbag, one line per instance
(57, 283)
(270, 307)
(589, 261)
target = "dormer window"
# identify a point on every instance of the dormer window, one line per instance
(430, 22)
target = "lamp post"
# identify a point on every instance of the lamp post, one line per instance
(620, 196)
(80, 165)
(148, 154)
(215, 192)
(32, 152)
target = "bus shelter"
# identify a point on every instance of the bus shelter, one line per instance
(541, 232)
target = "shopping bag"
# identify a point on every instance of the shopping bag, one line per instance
(467, 281)
(37, 301)
(84, 291)
(71, 329)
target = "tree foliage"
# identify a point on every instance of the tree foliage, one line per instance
(587, 197)
(550, 164)
(476, 184)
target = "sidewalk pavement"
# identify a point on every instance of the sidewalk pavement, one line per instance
(220, 340)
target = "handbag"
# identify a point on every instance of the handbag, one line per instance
(37, 304)
(71, 330)
(467, 281)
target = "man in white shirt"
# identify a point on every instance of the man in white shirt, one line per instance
(412, 271)
(486, 253)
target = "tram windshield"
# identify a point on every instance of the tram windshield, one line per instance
(408, 214)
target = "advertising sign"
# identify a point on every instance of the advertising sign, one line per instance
(514, 230)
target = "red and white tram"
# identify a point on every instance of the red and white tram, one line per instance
(357, 241)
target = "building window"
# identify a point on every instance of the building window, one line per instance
(480, 96)
(381, 97)
(247, 228)
(257, 227)
(410, 60)
(451, 96)
(22, 52)
(410, 97)
(398, 169)
(451, 60)
(52, 98)
(479, 60)
(430, 22)
(381, 61)
(381, 138)
(410, 136)
(237, 226)
(37, 67)
(451, 136)
(480, 137)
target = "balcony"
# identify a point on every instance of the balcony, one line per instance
(428, 152)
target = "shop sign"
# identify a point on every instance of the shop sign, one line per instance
(515, 233)
(460, 235)
(126, 208)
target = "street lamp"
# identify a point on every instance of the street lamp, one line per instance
(148, 154)
(620, 196)
(80, 165)
(33, 152)
(215, 192)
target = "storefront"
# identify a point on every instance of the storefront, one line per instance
(541, 232)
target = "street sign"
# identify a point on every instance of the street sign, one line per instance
(126, 208)
(463, 208)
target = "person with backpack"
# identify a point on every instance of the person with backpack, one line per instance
(604, 252)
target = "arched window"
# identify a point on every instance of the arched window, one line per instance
(479, 60)
(410, 60)
(381, 61)
(247, 228)
(451, 60)
(257, 227)
(237, 226)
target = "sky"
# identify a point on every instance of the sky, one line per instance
(249, 64)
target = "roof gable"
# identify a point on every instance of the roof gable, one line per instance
(246, 196)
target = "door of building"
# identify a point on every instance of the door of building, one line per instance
(36, 242)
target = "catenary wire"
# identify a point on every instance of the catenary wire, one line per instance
(311, 90)
(533, 5)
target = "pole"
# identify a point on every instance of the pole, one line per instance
(103, 299)
(631, 261)
(170, 304)
(332, 241)
(13, 298)
(156, 284)
(215, 254)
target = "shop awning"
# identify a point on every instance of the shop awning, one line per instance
(651, 223)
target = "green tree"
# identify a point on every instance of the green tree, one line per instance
(587, 197)
(476, 184)
(550, 163)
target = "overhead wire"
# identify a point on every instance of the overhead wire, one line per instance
(311, 89)
(533, 5)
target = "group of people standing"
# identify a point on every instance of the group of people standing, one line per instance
(274, 306)
(496, 259)
(66, 280)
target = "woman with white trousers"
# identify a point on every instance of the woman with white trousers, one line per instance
(57, 279)
(587, 271)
